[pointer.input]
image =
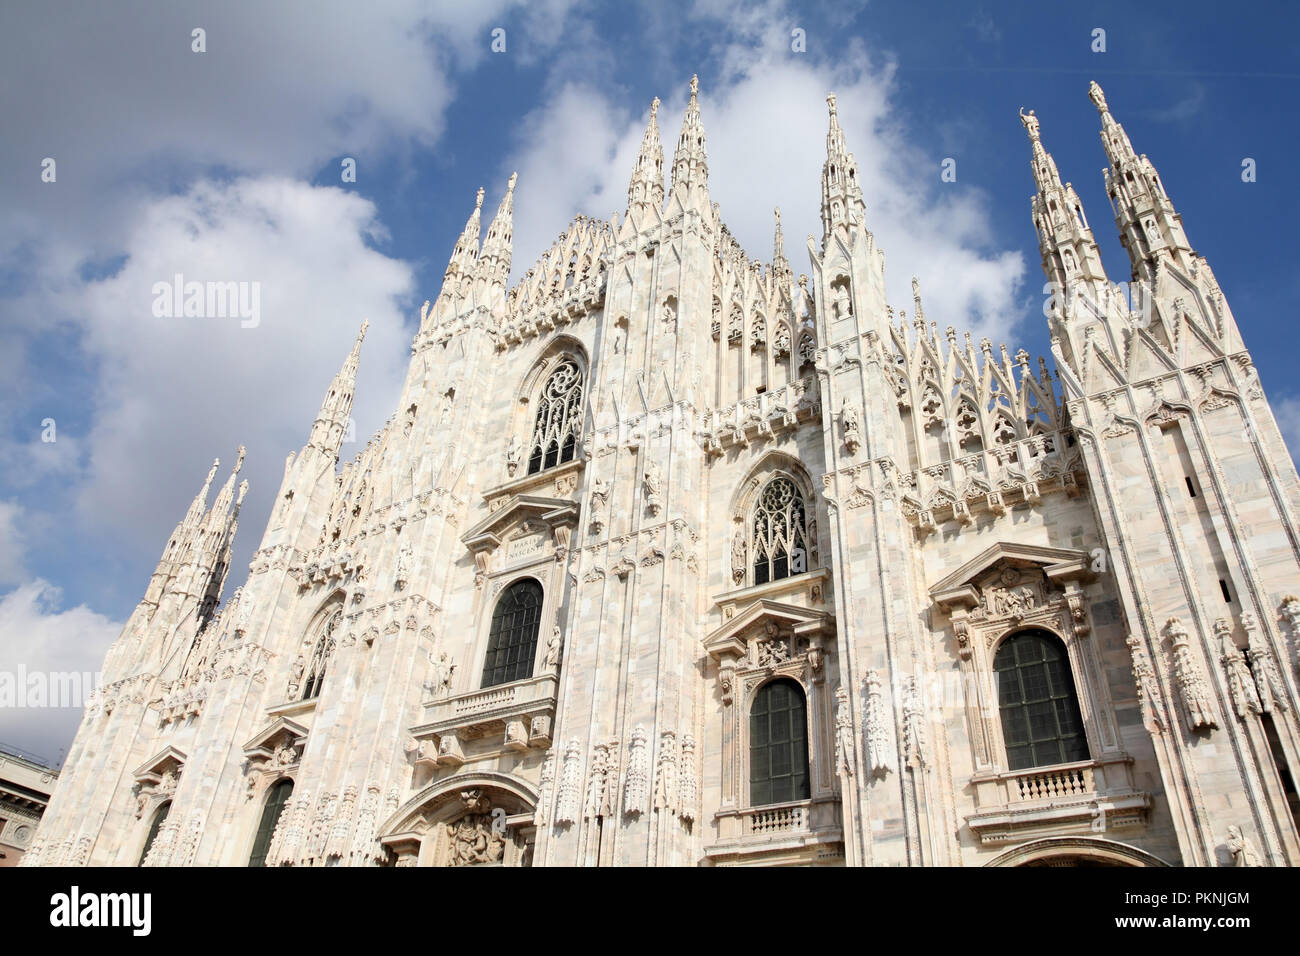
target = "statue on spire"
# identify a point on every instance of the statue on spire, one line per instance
(1030, 122)
(1098, 97)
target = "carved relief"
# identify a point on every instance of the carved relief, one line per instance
(1191, 680)
(879, 730)
(636, 790)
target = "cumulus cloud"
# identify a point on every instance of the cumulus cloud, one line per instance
(766, 119)
(171, 389)
(11, 544)
(49, 661)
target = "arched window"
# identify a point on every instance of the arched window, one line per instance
(558, 424)
(1041, 724)
(276, 801)
(778, 744)
(512, 643)
(320, 658)
(159, 818)
(780, 541)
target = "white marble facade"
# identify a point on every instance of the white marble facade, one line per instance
(685, 478)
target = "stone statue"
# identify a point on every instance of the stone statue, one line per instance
(1242, 850)
(512, 455)
(738, 564)
(653, 483)
(553, 646)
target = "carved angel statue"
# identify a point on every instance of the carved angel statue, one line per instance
(843, 307)
(553, 647)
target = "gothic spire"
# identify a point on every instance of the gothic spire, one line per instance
(779, 262)
(494, 260)
(466, 251)
(690, 163)
(1071, 258)
(842, 204)
(200, 502)
(1150, 228)
(332, 422)
(646, 187)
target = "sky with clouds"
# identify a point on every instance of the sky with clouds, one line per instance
(225, 165)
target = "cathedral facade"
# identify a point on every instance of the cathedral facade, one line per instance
(669, 556)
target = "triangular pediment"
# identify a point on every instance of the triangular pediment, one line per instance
(514, 511)
(1058, 564)
(276, 734)
(169, 760)
(731, 636)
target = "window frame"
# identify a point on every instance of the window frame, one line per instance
(747, 752)
(281, 784)
(506, 587)
(1050, 637)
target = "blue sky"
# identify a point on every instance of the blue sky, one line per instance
(225, 165)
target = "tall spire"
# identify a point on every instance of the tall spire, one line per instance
(779, 262)
(646, 187)
(200, 502)
(690, 162)
(842, 204)
(466, 251)
(494, 260)
(1150, 229)
(331, 424)
(1071, 259)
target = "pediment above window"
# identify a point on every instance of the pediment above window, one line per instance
(769, 638)
(1009, 575)
(162, 770)
(281, 742)
(512, 515)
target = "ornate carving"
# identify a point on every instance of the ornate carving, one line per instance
(688, 802)
(636, 790)
(566, 803)
(914, 736)
(880, 736)
(1268, 676)
(666, 787)
(1191, 681)
(653, 487)
(1241, 684)
(851, 424)
(544, 790)
(844, 749)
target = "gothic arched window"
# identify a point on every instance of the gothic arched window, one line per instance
(321, 653)
(276, 800)
(558, 424)
(780, 532)
(159, 818)
(1041, 723)
(512, 641)
(778, 744)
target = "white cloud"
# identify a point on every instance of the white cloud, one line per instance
(172, 391)
(43, 646)
(766, 124)
(12, 545)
